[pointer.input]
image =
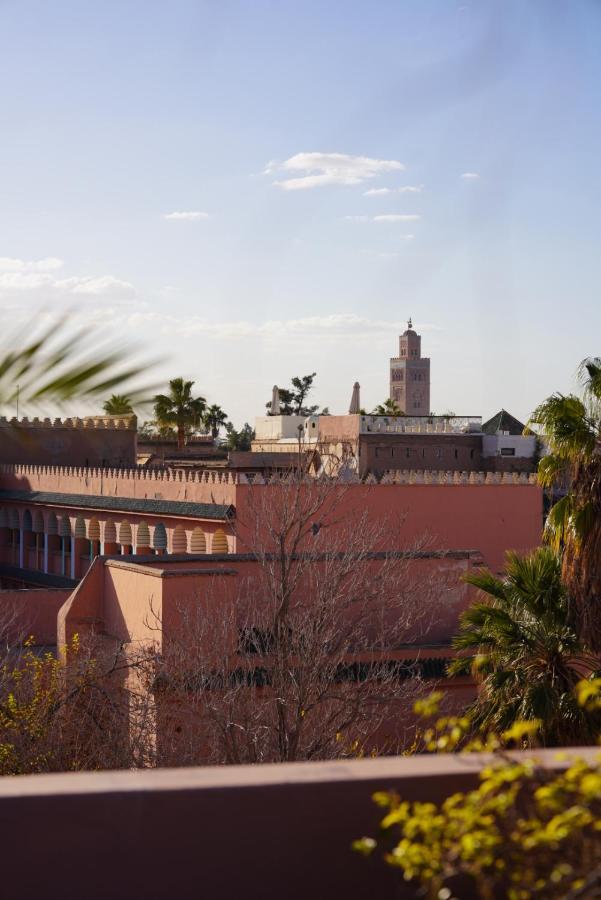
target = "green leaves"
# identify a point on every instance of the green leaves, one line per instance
(60, 363)
(524, 650)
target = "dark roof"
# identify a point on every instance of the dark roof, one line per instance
(35, 577)
(503, 421)
(124, 504)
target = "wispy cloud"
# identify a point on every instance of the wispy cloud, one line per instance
(470, 176)
(314, 327)
(385, 217)
(192, 215)
(406, 189)
(321, 169)
(18, 276)
(48, 264)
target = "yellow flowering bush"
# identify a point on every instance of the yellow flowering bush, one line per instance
(525, 831)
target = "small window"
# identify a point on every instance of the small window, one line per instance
(456, 453)
(507, 451)
(438, 452)
(472, 453)
(407, 452)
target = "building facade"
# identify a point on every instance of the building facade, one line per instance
(410, 375)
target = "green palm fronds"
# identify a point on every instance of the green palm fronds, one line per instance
(520, 644)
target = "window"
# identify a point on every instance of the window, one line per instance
(456, 453)
(438, 452)
(472, 453)
(407, 452)
(507, 451)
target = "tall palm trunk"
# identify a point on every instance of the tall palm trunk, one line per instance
(581, 569)
(181, 436)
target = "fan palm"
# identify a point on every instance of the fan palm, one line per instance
(59, 364)
(572, 426)
(179, 409)
(526, 653)
(214, 418)
(118, 405)
(388, 408)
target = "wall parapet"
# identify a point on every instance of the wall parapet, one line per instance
(213, 476)
(123, 423)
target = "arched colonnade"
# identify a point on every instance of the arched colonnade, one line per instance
(64, 543)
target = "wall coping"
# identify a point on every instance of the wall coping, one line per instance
(209, 778)
(127, 423)
(211, 476)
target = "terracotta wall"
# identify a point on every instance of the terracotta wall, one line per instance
(146, 484)
(260, 832)
(25, 613)
(489, 518)
(67, 445)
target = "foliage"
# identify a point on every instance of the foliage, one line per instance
(523, 832)
(572, 427)
(292, 402)
(179, 409)
(524, 651)
(118, 405)
(67, 714)
(239, 440)
(213, 418)
(59, 363)
(388, 408)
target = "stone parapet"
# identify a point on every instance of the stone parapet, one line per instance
(129, 423)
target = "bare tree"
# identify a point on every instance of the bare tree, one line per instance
(302, 656)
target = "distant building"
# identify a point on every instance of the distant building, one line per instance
(410, 375)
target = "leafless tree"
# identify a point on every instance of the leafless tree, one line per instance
(302, 656)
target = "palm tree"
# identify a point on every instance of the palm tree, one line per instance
(59, 363)
(388, 408)
(179, 408)
(214, 418)
(528, 658)
(572, 427)
(118, 405)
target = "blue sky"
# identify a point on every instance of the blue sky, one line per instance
(116, 115)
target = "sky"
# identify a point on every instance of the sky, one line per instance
(249, 191)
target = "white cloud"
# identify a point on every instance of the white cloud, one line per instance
(470, 176)
(395, 217)
(324, 328)
(410, 189)
(98, 286)
(388, 217)
(48, 264)
(320, 169)
(18, 276)
(376, 192)
(406, 189)
(187, 216)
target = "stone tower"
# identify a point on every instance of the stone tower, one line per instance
(410, 375)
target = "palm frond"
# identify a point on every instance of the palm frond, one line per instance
(60, 364)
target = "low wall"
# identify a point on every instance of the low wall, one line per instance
(33, 613)
(259, 832)
(93, 441)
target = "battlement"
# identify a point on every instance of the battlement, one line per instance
(127, 423)
(212, 476)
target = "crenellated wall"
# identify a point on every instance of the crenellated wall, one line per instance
(93, 440)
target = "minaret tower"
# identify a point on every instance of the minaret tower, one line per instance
(410, 375)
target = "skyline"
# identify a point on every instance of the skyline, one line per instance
(270, 192)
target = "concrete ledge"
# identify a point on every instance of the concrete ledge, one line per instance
(273, 832)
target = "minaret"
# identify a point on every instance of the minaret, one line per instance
(410, 375)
